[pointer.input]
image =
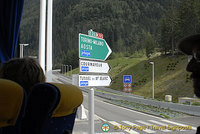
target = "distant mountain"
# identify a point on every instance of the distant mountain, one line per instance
(124, 24)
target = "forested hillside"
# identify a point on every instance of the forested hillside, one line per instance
(128, 25)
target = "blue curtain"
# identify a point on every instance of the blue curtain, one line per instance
(10, 18)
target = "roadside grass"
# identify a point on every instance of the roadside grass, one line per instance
(122, 64)
(74, 71)
(164, 113)
(107, 92)
(171, 77)
(196, 104)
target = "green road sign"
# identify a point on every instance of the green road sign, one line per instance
(93, 48)
(92, 33)
(95, 34)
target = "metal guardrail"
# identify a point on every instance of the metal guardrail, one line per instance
(188, 109)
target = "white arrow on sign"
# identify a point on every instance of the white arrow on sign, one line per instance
(94, 80)
(93, 66)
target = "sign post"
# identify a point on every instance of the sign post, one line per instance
(91, 110)
(93, 47)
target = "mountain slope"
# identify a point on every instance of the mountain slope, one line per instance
(171, 77)
(123, 23)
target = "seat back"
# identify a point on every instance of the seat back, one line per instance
(63, 116)
(41, 102)
(51, 108)
(12, 106)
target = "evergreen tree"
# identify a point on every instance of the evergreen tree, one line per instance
(123, 23)
(188, 16)
(149, 45)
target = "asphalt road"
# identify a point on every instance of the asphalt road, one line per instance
(122, 120)
(117, 120)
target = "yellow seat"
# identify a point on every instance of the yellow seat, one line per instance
(64, 114)
(51, 108)
(11, 99)
(71, 98)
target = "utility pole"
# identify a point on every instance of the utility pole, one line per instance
(152, 79)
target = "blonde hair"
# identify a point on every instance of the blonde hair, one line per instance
(25, 71)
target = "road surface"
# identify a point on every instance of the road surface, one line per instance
(112, 119)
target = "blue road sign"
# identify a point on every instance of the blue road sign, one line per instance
(127, 79)
(83, 83)
(84, 69)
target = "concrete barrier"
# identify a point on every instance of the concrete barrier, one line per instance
(168, 98)
(81, 115)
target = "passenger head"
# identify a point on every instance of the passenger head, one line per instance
(191, 46)
(24, 71)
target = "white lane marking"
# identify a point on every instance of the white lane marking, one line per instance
(162, 128)
(111, 133)
(178, 124)
(130, 110)
(159, 123)
(118, 125)
(194, 128)
(96, 116)
(162, 124)
(101, 118)
(132, 124)
(80, 132)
